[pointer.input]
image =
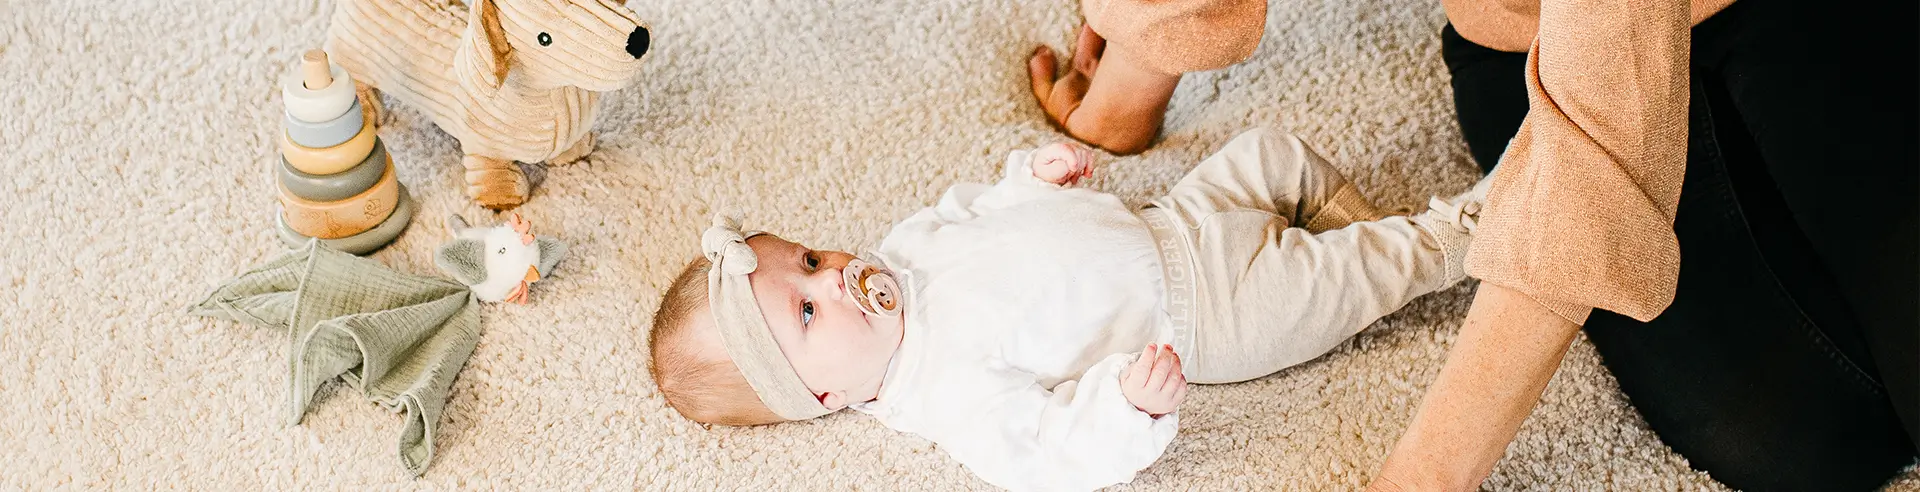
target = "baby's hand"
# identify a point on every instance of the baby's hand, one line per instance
(1062, 163)
(1155, 384)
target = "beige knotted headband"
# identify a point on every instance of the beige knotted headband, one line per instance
(744, 331)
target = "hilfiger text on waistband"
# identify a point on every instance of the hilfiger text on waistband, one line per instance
(1177, 276)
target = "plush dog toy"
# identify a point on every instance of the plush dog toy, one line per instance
(498, 263)
(513, 80)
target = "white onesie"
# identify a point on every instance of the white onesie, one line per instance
(1025, 302)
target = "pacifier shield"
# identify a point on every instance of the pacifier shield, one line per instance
(872, 288)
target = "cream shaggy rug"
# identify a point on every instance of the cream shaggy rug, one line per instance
(137, 134)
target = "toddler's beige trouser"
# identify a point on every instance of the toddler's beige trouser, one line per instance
(1272, 258)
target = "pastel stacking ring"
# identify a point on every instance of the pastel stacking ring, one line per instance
(327, 133)
(339, 186)
(317, 105)
(342, 218)
(329, 160)
(357, 244)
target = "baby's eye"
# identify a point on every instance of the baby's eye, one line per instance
(806, 313)
(812, 260)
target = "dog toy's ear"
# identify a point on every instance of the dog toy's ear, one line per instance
(483, 56)
(551, 251)
(464, 259)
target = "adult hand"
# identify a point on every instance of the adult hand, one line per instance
(1107, 98)
(1060, 96)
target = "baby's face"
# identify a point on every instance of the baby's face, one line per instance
(833, 345)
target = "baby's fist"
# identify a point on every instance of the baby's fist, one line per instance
(1062, 163)
(1155, 383)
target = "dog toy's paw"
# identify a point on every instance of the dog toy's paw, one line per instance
(497, 184)
(573, 154)
(370, 105)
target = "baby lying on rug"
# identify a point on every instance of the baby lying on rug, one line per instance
(1006, 323)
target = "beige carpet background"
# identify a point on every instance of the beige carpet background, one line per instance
(137, 134)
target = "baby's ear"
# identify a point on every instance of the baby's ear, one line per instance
(464, 259)
(833, 400)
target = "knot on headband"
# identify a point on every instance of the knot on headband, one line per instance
(726, 247)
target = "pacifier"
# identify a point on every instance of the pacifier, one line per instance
(872, 288)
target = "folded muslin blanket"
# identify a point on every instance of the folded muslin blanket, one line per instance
(397, 338)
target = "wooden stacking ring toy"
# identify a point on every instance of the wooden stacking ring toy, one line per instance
(329, 160)
(318, 104)
(342, 218)
(357, 244)
(339, 186)
(326, 133)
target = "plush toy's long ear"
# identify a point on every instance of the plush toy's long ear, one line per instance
(484, 49)
(464, 259)
(551, 251)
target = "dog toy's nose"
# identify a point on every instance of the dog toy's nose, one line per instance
(637, 42)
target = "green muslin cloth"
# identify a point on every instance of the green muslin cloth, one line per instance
(397, 338)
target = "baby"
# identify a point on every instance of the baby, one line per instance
(1044, 335)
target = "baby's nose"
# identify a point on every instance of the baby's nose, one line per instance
(638, 41)
(829, 280)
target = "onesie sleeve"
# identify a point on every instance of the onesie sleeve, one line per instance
(965, 201)
(1081, 435)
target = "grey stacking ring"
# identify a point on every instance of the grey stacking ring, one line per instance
(336, 187)
(327, 133)
(357, 244)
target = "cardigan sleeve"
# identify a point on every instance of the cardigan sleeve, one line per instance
(1580, 214)
(1180, 36)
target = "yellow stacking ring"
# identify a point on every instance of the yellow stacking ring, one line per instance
(338, 219)
(329, 160)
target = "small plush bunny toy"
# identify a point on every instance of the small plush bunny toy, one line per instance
(500, 262)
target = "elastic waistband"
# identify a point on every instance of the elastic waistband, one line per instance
(1177, 276)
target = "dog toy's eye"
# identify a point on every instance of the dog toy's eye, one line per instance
(503, 251)
(545, 40)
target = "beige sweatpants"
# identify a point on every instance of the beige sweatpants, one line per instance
(1273, 258)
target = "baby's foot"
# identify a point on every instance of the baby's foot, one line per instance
(1062, 163)
(1107, 99)
(1463, 210)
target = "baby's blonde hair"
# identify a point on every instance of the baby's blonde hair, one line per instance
(702, 386)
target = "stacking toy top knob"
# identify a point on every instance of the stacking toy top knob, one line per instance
(314, 65)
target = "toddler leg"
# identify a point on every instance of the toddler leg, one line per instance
(1292, 295)
(1272, 172)
(1291, 260)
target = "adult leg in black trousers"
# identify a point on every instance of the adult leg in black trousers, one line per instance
(1760, 372)
(1831, 97)
(1489, 95)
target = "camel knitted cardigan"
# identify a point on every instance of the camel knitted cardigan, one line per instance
(1581, 210)
(1179, 36)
